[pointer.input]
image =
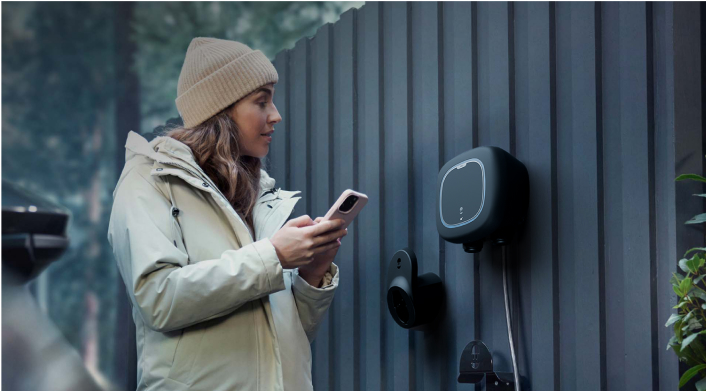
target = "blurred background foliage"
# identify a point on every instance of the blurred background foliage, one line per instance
(67, 104)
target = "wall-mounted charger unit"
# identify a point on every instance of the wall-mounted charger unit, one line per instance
(482, 194)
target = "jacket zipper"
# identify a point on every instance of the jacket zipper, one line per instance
(271, 191)
(215, 188)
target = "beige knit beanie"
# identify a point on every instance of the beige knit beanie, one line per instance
(216, 73)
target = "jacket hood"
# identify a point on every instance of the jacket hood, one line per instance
(162, 149)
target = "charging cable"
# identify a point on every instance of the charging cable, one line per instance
(509, 327)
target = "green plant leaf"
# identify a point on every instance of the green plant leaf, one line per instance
(693, 264)
(699, 278)
(698, 293)
(690, 176)
(677, 290)
(672, 319)
(688, 316)
(683, 266)
(697, 219)
(691, 372)
(676, 279)
(700, 195)
(691, 324)
(685, 285)
(694, 249)
(688, 340)
(701, 385)
(694, 324)
(698, 350)
(672, 342)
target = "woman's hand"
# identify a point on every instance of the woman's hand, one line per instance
(300, 240)
(314, 272)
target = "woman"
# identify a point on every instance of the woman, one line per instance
(224, 297)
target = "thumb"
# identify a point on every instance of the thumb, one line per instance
(301, 221)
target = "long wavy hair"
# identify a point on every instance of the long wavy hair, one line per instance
(215, 144)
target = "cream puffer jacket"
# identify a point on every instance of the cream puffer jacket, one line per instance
(212, 306)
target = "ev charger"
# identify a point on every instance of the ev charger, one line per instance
(482, 194)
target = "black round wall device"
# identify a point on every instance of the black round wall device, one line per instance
(482, 194)
(412, 300)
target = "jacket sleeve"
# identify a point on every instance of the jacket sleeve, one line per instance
(312, 303)
(169, 292)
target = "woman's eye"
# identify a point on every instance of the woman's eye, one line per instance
(263, 104)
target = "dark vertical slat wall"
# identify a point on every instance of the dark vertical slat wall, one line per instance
(278, 156)
(578, 184)
(494, 128)
(300, 125)
(626, 133)
(397, 168)
(536, 249)
(321, 173)
(600, 101)
(427, 135)
(665, 205)
(369, 162)
(346, 303)
(460, 127)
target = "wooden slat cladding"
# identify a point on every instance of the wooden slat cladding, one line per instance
(602, 103)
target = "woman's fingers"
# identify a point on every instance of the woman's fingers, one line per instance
(301, 221)
(323, 227)
(319, 240)
(326, 247)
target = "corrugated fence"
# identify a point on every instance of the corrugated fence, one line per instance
(603, 104)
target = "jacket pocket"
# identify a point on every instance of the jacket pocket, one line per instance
(185, 354)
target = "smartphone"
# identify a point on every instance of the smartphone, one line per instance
(347, 207)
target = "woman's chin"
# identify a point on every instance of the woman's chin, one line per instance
(264, 152)
(259, 153)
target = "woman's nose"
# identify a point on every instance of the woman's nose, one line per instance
(275, 117)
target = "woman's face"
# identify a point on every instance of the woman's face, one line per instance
(256, 116)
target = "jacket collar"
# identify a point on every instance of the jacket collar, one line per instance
(164, 148)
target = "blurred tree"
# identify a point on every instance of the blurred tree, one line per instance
(57, 96)
(127, 117)
(163, 31)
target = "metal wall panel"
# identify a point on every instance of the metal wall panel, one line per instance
(278, 156)
(537, 245)
(346, 303)
(602, 103)
(427, 154)
(578, 184)
(373, 310)
(460, 127)
(322, 174)
(299, 131)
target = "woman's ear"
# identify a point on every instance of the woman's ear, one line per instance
(230, 111)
